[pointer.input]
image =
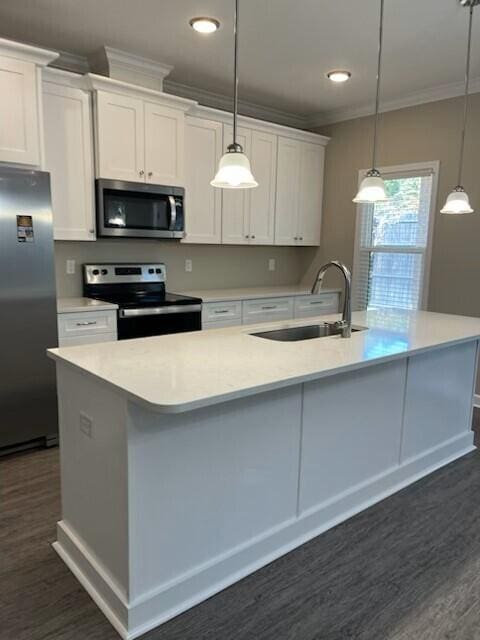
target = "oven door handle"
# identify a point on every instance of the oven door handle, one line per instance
(159, 311)
(173, 212)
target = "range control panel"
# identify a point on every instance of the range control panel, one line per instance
(123, 273)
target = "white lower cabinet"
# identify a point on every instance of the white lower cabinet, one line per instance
(69, 159)
(86, 327)
(216, 315)
(267, 310)
(324, 303)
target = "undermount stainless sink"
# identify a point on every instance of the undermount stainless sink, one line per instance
(309, 332)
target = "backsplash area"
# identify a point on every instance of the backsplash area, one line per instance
(212, 266)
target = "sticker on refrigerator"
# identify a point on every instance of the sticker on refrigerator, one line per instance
(25, 229)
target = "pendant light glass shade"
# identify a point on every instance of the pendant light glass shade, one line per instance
(234, 170)
(457, 202)
(372, 189)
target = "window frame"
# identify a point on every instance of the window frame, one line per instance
(390, 172)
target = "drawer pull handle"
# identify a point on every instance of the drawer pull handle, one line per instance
(318, 302)
(221, 310)
(269, 308)
(87, 323)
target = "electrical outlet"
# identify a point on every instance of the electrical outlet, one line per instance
(86, 425)
(71, 267)
(271, 264)
(188, 265)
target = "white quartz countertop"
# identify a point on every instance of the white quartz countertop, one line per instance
(78, 305)
(184, 371)
(252, 293)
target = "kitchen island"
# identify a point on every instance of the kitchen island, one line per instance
(189, 461)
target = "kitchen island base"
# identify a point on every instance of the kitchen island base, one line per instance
(161, 511)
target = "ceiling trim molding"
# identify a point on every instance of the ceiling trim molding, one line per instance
(433, 94)
(27, 52)
(128, 67)
(225, 103)
(71, 62)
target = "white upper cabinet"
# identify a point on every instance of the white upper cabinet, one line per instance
(120, 137)
(236, 202)
(164, 145)
(69, 159)
(310, 194)
(139, 140)
(249, 214)
(287, 195)
(21, 134)
(19, 109)
(299, 191)
(262, 198)
(203, 203)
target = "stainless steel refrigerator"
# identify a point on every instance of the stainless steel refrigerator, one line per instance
(28, 325)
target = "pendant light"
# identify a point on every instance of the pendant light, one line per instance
(234, 167)
(372, 187)
(457, 201)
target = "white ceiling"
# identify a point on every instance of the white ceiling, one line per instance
(286, 46)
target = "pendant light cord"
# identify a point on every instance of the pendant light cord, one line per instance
(379, 76)
(235, 72)
(465, 103)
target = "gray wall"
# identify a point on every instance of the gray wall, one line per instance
(422, 133)
(213, 266)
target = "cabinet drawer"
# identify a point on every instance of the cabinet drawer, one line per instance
(267, 309)
(92, 338)
(222, 311)
(71, 325)
(220, 324)
(306, 306)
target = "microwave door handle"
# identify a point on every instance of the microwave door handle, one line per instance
(173, 212)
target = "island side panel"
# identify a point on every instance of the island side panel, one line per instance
(439, 399)
(206, 484)
(94, 527)
(352, 425)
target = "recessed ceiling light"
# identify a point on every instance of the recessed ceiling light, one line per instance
(339, 75)
(204, 25)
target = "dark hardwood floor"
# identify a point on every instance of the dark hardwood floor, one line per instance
(405, 569)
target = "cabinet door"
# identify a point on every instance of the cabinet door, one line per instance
(263, 159)
(236, 202)
(69, 159)
(310, 196)
(287, 191)
(19, 123)
(164, 145)
(120, 137)
(203, 203)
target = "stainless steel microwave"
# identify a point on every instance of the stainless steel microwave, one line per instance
(135, 210)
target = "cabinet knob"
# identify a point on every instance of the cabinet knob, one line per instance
(91, 231)
(295, 238)
(150, 174)
(301, 238)
(141, 172)
(247, 236)
(253, 237)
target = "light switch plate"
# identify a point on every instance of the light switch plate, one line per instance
(70, 267)
(188, 265)
(271, 264)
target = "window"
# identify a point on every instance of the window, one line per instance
(392, 243)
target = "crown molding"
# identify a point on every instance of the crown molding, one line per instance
(71, 62)
(128, 67)
(433, 94)
(102, 83)
(27, 52)
(224, 103)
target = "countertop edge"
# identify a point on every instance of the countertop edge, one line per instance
(193, 405)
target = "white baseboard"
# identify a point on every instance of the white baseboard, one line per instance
(132, 619)
(476, 400)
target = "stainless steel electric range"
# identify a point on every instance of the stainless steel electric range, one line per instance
(145, 308)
